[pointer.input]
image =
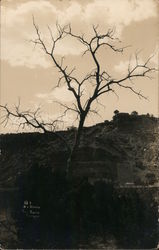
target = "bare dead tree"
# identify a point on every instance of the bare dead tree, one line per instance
(100, 80)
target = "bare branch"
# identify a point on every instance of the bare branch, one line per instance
(138, 93)
(78, 37)
(31, 119)
(67, 107)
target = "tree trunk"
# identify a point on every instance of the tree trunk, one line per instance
(76, 144)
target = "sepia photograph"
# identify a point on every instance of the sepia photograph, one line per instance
(79, 124)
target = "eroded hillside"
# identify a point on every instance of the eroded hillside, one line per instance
(122, 151)
(111, 201)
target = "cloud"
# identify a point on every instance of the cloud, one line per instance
(155, 57)
(22, 54)
(121, 12)
(122, 66)
(17, 28)
(62, 94)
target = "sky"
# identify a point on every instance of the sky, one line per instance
(29, 74)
